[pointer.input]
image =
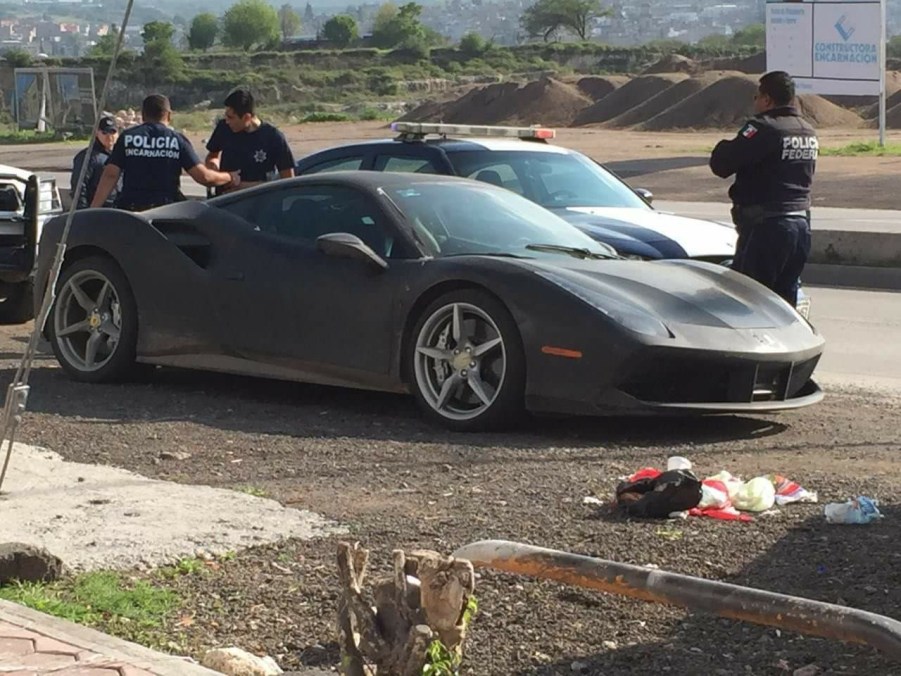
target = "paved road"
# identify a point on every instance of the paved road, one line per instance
(863, 337)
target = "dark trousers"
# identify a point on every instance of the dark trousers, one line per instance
(774, 251)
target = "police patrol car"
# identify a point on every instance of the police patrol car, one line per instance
(565, 181)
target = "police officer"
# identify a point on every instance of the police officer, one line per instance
(150, 157)
(242, 142)
(104, 140)
(773, 157)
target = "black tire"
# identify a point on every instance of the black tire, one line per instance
(120, 362)
(507, 405)
(18, 306)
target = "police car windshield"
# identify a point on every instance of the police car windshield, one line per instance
(551, 179)
(452, 219)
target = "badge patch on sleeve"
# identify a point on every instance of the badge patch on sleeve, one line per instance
(749, 131)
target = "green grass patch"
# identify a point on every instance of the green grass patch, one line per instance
(863, 149)
(97, 598)
(20, 137)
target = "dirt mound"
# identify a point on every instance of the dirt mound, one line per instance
(666, 99)
(892, 118)
(634, 93)
(545, 101)
(824, 114)
(596, 87)
(672, 63)
(755, 64)
(724, 103)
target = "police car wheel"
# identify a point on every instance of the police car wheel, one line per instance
(465, 362)
(93, 324)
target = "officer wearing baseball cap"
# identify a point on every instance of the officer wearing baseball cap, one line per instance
(773, 158)
(104, 140)
(150, 158)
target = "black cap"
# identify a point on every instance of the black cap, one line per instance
(107, 124)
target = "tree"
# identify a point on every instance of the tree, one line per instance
(751, 36)
(341, 30)
(547, 17)
(308, 15)
(157, 31)
(472, 44)
(289, 21)
(106, 44)
(203, 32)
(18, 58)
(161, 60)
(250, 23)
(399, 26)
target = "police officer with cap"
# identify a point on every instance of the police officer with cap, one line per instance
(773, 158)
(104, 140)
(150, 157)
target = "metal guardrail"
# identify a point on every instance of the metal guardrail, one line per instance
(746, 604)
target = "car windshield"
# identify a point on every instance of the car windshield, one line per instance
(551, 179)
(452, 219)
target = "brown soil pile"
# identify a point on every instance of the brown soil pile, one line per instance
(755, 64)
(545, 101)
(892, 118)
(636, 92)
(663, 101)
(672, 63)
(725, 103)
(597, 87)
(824, 114)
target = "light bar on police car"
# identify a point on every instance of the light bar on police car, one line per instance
(423, 128)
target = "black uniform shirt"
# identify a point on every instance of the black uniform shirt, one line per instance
(255, 153)
(151, 157)
(99, 157)
(773, 158)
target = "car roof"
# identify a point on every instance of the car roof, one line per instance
(452, 145)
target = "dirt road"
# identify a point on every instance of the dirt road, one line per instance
(369, 462)
(672, 165)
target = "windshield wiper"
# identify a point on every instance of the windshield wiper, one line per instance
(571, 250)
(495, 254)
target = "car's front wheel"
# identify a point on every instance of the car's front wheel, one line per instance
(94, 321)
(466, 364)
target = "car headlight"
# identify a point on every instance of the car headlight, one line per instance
(628, 317)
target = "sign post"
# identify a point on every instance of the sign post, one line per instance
(830, 47)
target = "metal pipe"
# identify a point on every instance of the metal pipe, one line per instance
(746, 604)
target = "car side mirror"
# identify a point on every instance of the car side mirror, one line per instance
(345, 245)
(645, 194)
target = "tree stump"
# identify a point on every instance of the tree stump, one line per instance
(392, 630)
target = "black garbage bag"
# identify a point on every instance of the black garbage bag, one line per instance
(677, 490)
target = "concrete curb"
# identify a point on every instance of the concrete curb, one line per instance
(853, 277)
(111, 647)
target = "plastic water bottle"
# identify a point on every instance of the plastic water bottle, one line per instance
(857, 511)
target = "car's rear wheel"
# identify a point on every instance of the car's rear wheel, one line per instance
(94, 321)
(466, 364)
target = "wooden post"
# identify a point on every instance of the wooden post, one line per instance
(390, 631)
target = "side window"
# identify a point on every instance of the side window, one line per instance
(501, 175)
(308, 212)
(407, 164)
(341, 164)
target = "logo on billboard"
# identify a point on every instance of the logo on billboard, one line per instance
(843, 30)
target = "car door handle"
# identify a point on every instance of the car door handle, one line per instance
(235, 276)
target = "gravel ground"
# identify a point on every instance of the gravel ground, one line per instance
(369, 462)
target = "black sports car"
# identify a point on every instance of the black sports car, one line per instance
(478, 301)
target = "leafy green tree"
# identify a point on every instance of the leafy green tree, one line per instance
(473, 44)
(162, 62)
(289, 21)
(18, 58)
(250, 23)
(893, 48)
(203, 32)
(157, 31)
(341, 30)
(548, 17)
(106, 44)
(400, 27)
(751, 36)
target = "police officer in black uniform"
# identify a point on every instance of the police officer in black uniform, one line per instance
(773, 158)
(104, 140)
(150, 157)
(243, 142)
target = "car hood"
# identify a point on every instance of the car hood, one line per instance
(670, 235)
(673, 291)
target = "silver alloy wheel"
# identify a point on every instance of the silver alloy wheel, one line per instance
(87, 321)
(460, 361)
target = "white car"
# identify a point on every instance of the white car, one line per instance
(27, 201)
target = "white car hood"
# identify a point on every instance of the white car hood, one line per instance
(696, 237)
